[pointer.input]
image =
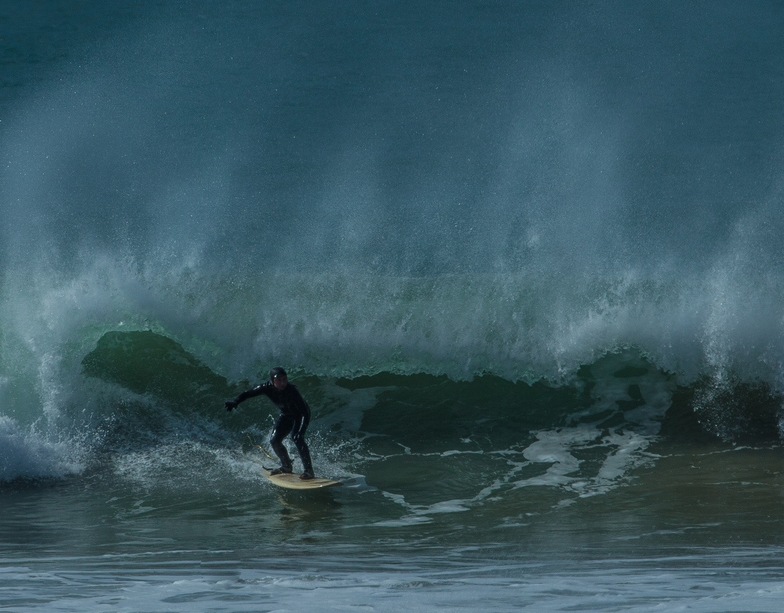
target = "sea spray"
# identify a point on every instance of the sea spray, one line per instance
(507, 208)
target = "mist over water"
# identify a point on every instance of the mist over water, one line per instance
(512, 189)
(523, 259)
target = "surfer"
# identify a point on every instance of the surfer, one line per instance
(293, 419)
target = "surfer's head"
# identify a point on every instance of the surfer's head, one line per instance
(279, 378)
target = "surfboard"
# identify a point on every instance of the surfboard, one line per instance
(292, 481)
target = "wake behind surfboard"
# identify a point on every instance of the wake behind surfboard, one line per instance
(292, 481)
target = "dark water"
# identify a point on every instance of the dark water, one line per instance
(522, 258)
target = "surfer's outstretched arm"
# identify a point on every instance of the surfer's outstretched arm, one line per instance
(259, 390)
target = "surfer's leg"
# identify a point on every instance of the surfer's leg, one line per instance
(302, 447)
(282, 428)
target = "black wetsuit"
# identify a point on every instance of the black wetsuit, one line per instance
(294, 419)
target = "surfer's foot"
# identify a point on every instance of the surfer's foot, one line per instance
(307, 476)
(281, 471)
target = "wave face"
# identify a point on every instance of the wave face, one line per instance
(490, 197)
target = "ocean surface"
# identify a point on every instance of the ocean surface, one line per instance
(523, 259)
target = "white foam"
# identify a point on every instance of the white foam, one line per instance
(27, 454)
(414, 583)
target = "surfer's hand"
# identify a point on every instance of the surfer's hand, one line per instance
(231, 404)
